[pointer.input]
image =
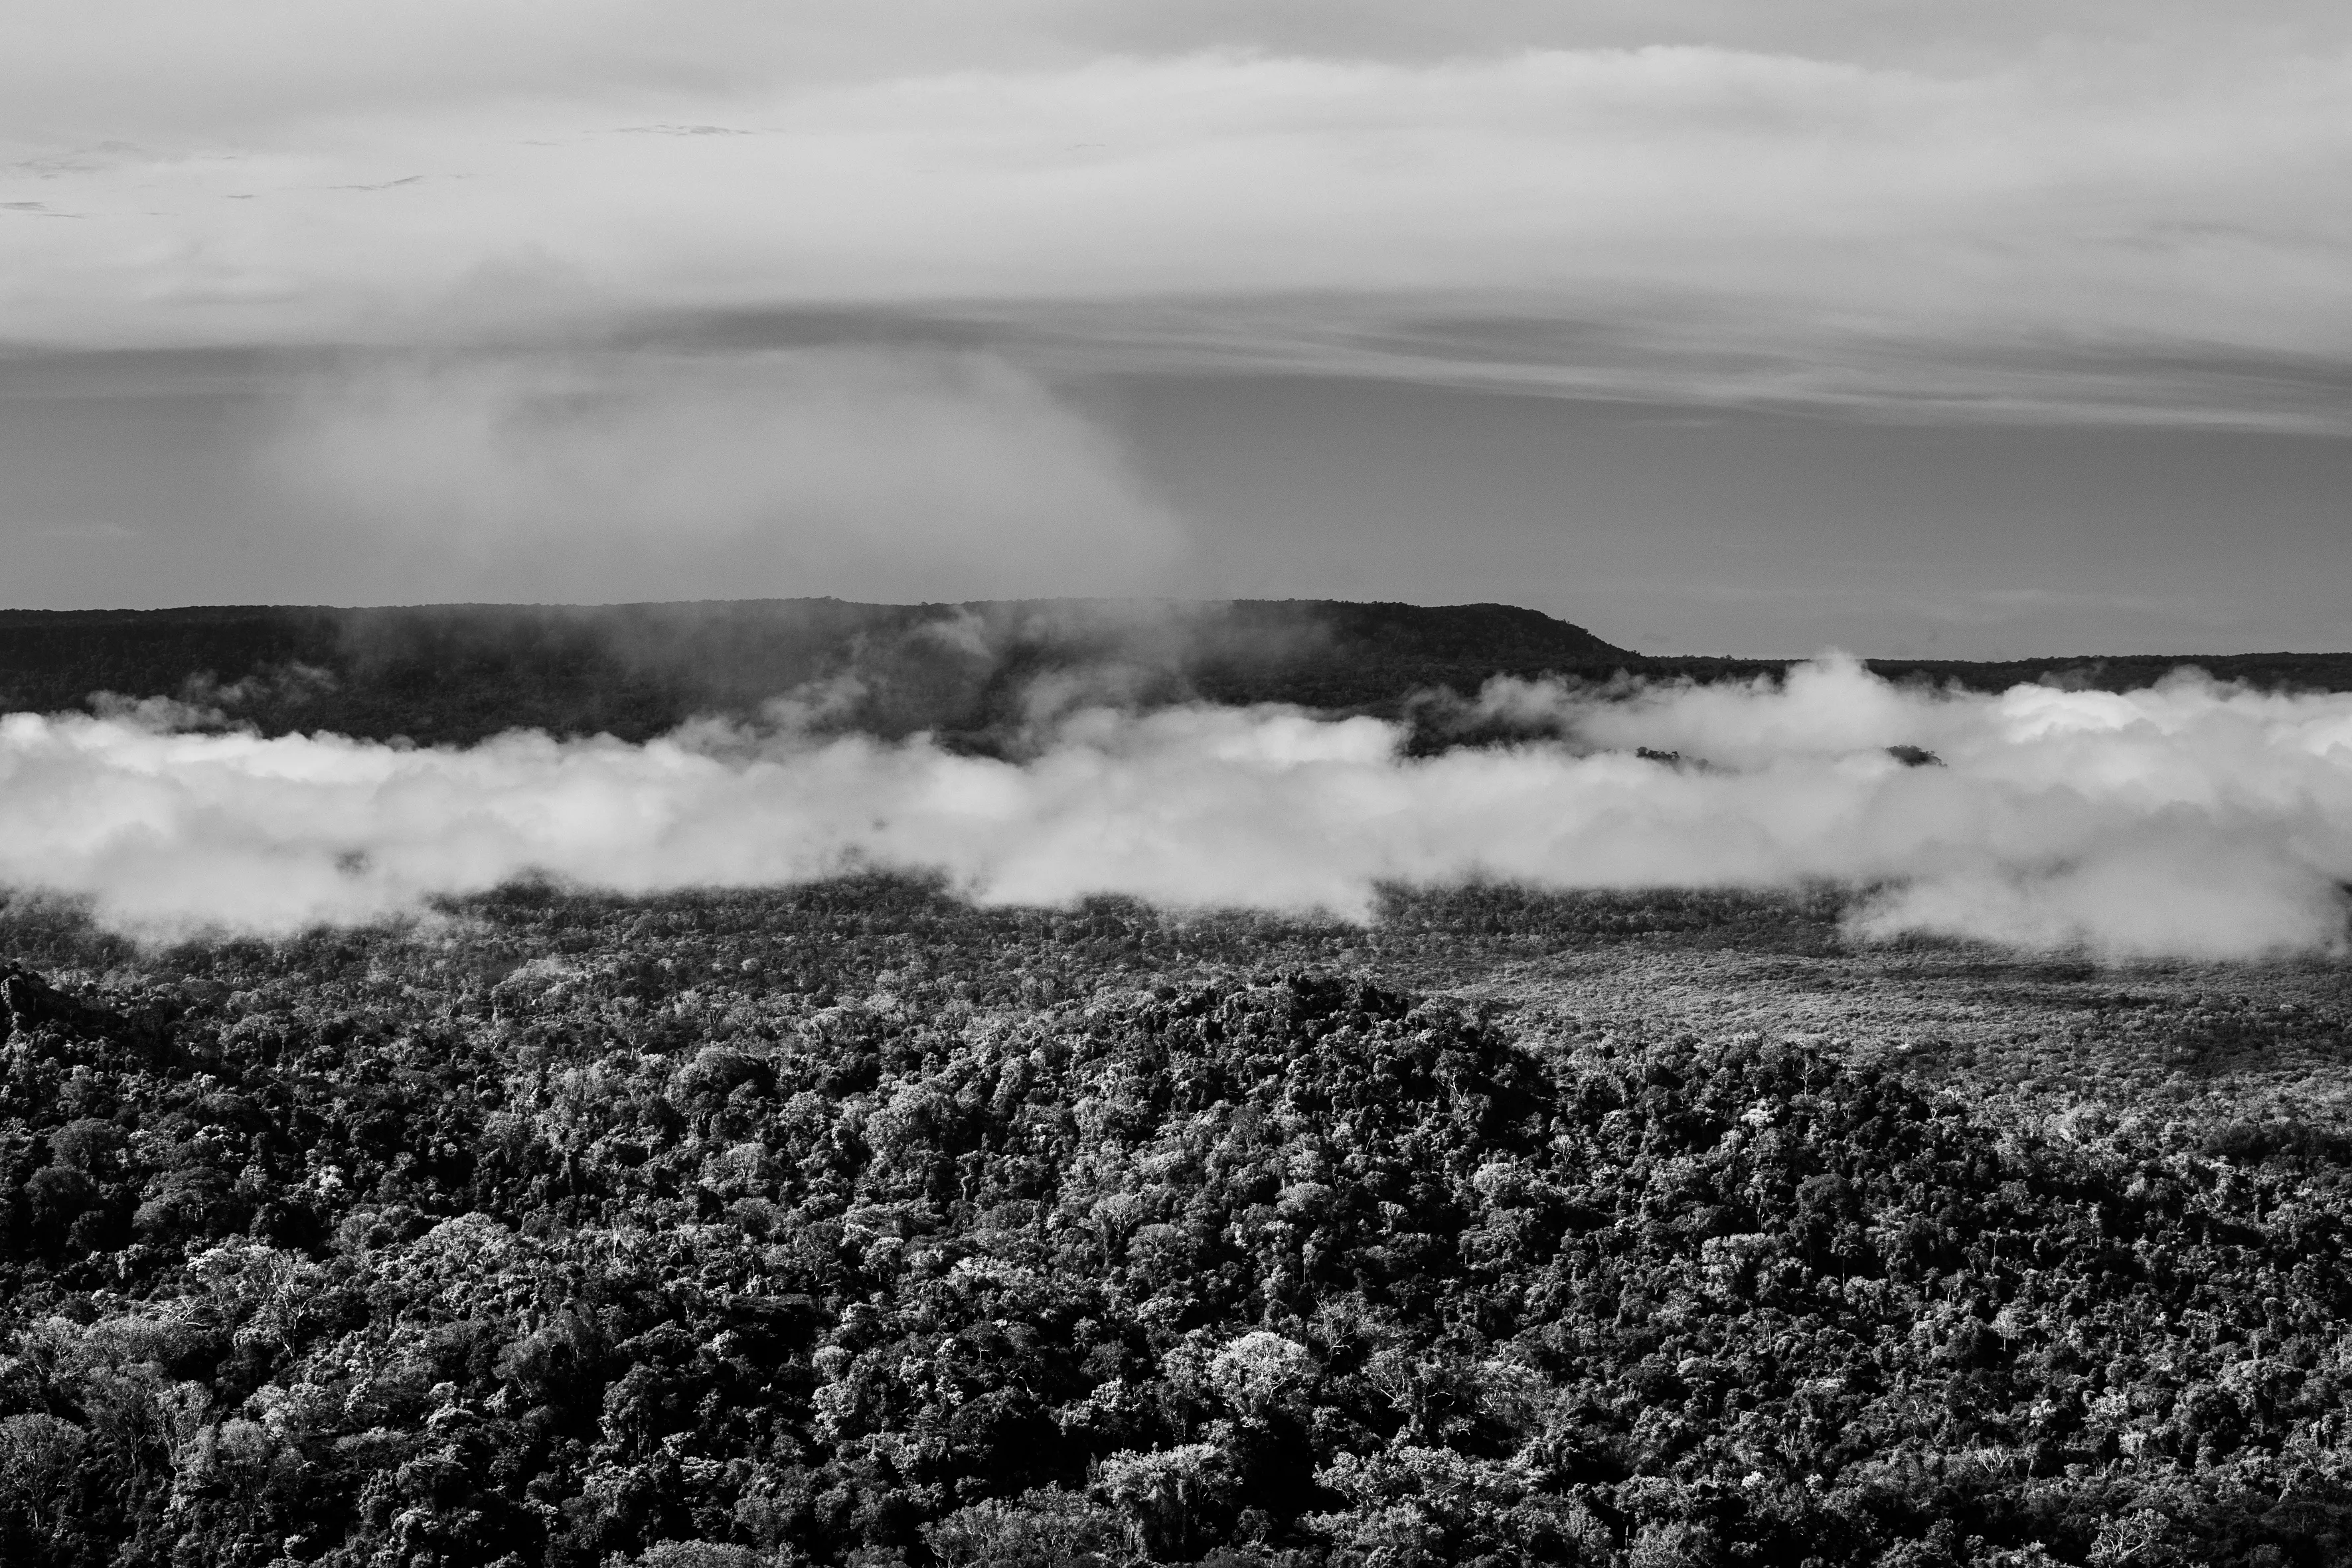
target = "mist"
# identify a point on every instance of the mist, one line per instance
(611, 474)
(2188, 820)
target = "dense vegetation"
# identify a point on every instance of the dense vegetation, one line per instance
(851, 1224)
(455, 674)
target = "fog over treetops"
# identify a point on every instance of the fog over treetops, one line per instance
(1264, 756)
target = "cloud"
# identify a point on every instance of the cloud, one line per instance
(2189, 820)
(66, 67)
(620, 475)
(2039, 213)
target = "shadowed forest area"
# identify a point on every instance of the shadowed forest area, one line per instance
(855, 1225)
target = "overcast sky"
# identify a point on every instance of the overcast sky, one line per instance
(1997, 328)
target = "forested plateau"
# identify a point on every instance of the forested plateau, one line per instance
(852, 1224)
(968, 674)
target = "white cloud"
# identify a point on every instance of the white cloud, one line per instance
(634, 476)
(2188, 820)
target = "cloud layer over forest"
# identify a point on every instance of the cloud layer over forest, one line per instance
(2190, 819)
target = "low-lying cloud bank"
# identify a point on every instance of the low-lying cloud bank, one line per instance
(2192, 819)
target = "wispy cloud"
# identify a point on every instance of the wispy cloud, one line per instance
(634, 475)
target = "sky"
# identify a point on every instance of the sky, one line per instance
(1993, 331)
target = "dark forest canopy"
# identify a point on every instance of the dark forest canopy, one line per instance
(456, 673)
(850, 1225)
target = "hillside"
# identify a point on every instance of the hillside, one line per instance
(456, 673)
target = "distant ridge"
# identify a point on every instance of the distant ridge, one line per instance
(456, 673)
(969, 672)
